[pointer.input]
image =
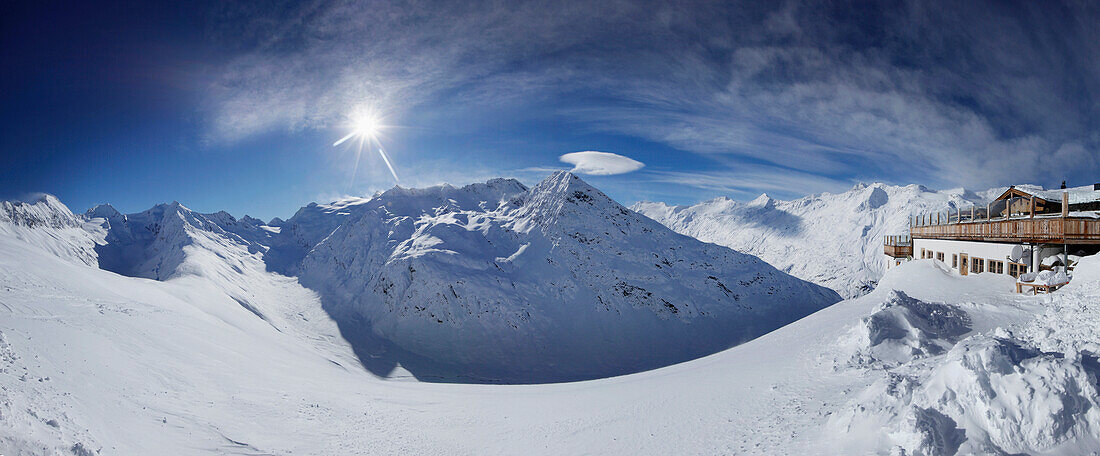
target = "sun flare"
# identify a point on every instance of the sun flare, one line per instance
(366, 126)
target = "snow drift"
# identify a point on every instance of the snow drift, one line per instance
(944, 388)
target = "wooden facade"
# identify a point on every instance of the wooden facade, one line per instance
(1039, 230)
(898, 251)
(898, 246)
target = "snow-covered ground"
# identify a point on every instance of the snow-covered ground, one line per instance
(225, 356)
(831, 239)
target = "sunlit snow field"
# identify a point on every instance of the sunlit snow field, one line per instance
(93, 361)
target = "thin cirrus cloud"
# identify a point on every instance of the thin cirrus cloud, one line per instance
(977, 95)
(600, 163)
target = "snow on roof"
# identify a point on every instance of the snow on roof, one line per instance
(1077, 195)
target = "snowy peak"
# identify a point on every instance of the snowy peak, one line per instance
(762, 200)
(45, 210)
(50, 226)
(555, 282)
(157, 242)
(564, 199)
(104, 211)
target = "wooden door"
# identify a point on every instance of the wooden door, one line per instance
(964, 264)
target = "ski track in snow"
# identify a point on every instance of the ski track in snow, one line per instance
(229, 358)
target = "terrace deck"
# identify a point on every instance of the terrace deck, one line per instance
(1040, 230)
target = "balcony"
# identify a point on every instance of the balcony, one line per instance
(898, 246)
(1045, 229)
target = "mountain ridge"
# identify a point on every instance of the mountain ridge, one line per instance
(493, 280)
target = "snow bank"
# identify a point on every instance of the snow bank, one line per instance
(903, 329)
(1019, 399)
(943, 388)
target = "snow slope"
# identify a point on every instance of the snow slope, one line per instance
(834, 240)
(95, 362)
(226, 357)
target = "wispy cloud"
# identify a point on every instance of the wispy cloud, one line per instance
(750, 181)
(809, 94)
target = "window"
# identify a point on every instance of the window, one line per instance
(939, 256)
(997, 266)
(954, 260)
(1015, 269)
(923, 254)
(977, 265)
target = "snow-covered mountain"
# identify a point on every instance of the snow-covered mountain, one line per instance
(158, 243)
(556, 282)
(831, 239)
(487, 282)
(227, 361)
(49, 225)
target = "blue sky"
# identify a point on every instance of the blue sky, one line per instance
(235, 106)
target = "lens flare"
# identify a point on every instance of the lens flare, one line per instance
(366, 127)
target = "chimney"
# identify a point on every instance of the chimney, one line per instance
(1063, 184)
(1096, 187)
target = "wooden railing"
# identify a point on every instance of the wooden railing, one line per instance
(1053, 230)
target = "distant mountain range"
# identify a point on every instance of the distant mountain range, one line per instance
(487, 282)
(831, 239)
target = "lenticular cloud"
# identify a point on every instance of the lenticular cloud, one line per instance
(600, 163)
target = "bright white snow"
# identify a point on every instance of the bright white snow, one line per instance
(224, 356)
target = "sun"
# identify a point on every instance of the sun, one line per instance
(366, 126)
